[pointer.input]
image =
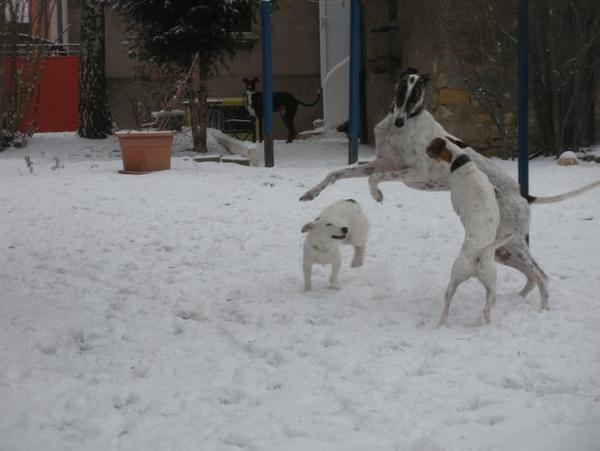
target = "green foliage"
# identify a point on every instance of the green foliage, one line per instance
(175, 30)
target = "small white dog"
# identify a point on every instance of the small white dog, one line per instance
(341, 223)
(474, 201)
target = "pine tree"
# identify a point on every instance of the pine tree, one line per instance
(94, 114)
(178, 30)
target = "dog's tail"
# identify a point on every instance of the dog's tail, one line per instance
(311, 104)
(560, 197)
(495, 244)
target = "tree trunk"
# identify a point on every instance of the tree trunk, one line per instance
(95, 120)
(199, 108)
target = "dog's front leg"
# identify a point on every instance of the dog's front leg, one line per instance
(307, 268)
(363, 170)
(335, 270)
(408, 174)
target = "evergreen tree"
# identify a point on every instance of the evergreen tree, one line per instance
(94, 114)
(183, 32)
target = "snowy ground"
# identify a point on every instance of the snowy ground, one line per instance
(166, 312)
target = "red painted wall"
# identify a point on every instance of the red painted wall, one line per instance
(55, 106)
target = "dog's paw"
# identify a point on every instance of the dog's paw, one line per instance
(309, 195)
(334, 286)
(356, 264)
(376, 194)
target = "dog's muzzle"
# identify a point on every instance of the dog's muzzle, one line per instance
(342, 236)
(399, 122)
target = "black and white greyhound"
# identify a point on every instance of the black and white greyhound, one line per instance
(283, 102)
(401, 140)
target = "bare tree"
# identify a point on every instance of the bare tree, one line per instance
(566, 63)
(22, 58)
(94, 114)
(480, 38)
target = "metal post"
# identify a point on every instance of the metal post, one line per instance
(523, 122)
(354, 81)
(267, 73)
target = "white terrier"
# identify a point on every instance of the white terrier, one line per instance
(474, 201)
(341, 223)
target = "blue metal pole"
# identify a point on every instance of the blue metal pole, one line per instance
(354, 81)
(523, 121)
(267, 75)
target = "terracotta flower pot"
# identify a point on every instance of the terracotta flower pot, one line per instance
(145, 151)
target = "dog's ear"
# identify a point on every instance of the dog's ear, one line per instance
(426, 78)
(308, 226)
(436, 147)
(255, 79)
(245, 80)
(437, 150)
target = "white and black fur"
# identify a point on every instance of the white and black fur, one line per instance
(474, 201)
(400, 139)
(342, 222)
(283, 102)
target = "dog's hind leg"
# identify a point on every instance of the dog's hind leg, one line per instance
(516, 255)
(288, 120)
(458, 275)
(529, 285)
(486, 273)
(361, 170)
(359, 256)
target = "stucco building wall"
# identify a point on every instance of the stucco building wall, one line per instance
(295, 64)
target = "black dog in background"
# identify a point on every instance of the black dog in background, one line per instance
(283, 102)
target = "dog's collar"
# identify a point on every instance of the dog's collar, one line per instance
(460, 161)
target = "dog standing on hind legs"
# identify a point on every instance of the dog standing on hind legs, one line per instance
(400, 139)
(474, 201)
(283, 102)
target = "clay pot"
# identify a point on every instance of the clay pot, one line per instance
(145, 151)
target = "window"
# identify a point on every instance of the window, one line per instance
(392, 9)
(16, 11)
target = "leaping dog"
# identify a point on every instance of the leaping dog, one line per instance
(283, 102)
(400, 139)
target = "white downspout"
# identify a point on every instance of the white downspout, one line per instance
(323, 38)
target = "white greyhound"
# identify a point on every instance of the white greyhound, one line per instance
(400, 139)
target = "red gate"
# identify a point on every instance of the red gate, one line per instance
(54, 108)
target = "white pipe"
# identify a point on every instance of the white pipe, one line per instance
(323, 38)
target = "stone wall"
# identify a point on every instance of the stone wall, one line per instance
(422, 37)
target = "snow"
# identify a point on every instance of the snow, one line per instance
(166, 312)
